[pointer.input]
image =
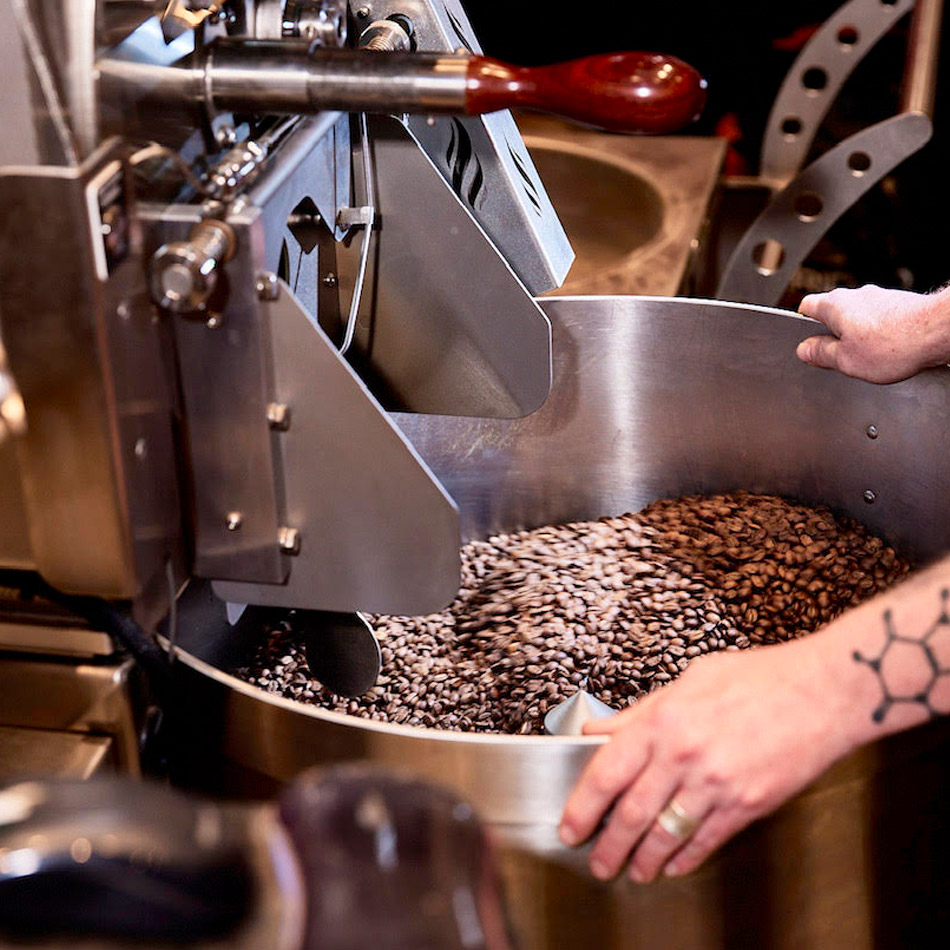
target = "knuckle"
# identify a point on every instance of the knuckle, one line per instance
(630, 814)
(753, 798)
(606, 780)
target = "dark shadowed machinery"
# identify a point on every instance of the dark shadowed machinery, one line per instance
(276, 339)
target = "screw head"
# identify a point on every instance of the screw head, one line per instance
(872, 432)
(268, 287)
(278, 415)
(869, 496)
(330, 280)
(289, 541)
(234, 520)
(363, 13)
(141, 449)
(225, 135)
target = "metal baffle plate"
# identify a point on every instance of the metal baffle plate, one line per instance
(448, 328)
(378, 532)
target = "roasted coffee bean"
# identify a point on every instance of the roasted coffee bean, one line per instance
(618, 607)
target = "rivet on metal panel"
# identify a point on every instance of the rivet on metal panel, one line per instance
(869, 496)
(234, 520)
(872, 432)
(267, 285)
(330, 280)
(289, 540)
(278, 415)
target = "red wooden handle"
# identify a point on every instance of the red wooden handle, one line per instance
(620, 92)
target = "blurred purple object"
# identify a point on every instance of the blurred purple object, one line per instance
(392, 863)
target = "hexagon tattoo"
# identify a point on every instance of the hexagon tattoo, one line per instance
(924, 658)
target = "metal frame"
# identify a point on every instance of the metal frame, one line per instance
(806, 203)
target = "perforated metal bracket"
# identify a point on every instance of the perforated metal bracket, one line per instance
(774, 246)
(815, 79)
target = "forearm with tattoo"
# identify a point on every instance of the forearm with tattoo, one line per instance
(913, 668)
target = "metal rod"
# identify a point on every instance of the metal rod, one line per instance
(289, 77)
(923, 54)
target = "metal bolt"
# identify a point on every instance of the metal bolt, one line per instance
(225, 135)
(289, 541)
(869, 496)
(872, 432)
(234, 520)
(330, 280)
(278, 415)
(214, 321)
(267, 286)
(363, 13)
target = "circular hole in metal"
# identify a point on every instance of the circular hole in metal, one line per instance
(848, 36)
(808, 206)
(791, 126)
(859, 163)
(768, 257)
(815, 79)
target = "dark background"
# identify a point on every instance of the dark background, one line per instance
(893, 236)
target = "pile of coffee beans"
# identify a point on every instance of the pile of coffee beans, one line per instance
(618, 606)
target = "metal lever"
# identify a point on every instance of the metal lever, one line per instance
(621, 92)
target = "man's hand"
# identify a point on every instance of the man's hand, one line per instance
(882, 336)
(732, 739)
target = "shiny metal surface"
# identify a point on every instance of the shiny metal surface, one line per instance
(634, 207)
(96, 460)
(511, 204)
(226, 385)
(25, 753)
(923, 53)
(354, 488)
(448, 328)
(815, 79)
(287, 77)
(776, 243)
(80, 698)
(656, 398)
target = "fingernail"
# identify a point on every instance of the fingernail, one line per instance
(599, 870)
(568, 835)
(637, 876)
(804, 352)
(672, 870)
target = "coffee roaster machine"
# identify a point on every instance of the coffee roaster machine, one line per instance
(273, 341)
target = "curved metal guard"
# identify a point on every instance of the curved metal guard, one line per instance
(796, 218)
(816, 77)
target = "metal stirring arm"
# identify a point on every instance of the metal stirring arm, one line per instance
(815, 79)
(797, 216)
(774, 247)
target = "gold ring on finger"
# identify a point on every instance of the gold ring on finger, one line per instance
(675, 821)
